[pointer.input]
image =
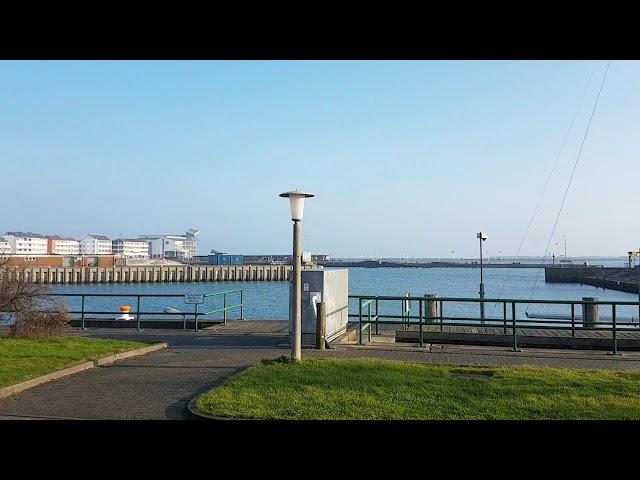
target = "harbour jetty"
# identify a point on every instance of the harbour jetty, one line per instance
(398, 264)
(623, 279)
(157, 274)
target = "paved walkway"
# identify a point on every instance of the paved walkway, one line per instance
(159, 385)
(154, 386)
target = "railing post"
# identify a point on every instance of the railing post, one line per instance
(82, 313)
(504, 317)
(515, 335)
(138, 315)
(241, 307)
(615, 338)
(225, 308)
(420, 315)
(377, 316)
(195, 319)
(573, 319)
(360, 321)
(369, 324)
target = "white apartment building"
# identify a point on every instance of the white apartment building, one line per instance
(5, 246)
(131, 248)
(173, 246)
(63, 245)
(95, 245)
(27, 243)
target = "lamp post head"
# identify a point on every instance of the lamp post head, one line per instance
(481, 235)
(296, 202)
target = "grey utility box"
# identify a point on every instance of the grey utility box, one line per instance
(330, 287)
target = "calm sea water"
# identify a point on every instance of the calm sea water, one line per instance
(269, 300)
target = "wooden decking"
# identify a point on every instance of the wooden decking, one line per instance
(496, 336)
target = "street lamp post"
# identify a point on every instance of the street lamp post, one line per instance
(482, 237)
(296, 202)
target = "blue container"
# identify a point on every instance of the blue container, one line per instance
(221, 259)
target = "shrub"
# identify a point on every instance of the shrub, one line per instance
(52, 322)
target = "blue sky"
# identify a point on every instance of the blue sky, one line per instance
(405, 157)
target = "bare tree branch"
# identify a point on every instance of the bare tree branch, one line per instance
(27, 303)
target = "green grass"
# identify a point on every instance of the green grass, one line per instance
(25, 358)
(377, 389)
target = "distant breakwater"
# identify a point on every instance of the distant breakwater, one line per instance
(390, 264)
(157, 274)
(622, 279)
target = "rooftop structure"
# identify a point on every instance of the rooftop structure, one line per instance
(173, 246)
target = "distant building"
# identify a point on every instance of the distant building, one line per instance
(28, 243)
(307, 258)
(219, 259)
(95, 245)
(5, 246)
(131, 248)
(103, 261)
(57, 245)
(181, 247)
(267, 259)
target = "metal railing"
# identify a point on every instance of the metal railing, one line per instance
(370, 319)
(139, 312)
(507, 322)
(226, 307)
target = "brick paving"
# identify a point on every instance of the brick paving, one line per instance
(154, 386)
(159, 385)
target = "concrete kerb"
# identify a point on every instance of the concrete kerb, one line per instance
(19, 387)
(196, 415)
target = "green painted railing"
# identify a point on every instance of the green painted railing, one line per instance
(138, 312)
(406, 319)
(367, 325)
(226, 307)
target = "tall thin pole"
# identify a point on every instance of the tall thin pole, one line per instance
(481, 284)
(296, 349)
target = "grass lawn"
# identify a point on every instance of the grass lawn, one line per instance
(378, 389)
(25, 358)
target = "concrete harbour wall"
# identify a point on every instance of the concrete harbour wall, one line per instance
(158, 274)
(613, 278)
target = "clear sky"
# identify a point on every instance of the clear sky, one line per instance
(405, 157)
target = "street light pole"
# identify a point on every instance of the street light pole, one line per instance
(482, 237)
(296, 201)
(296, 344)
